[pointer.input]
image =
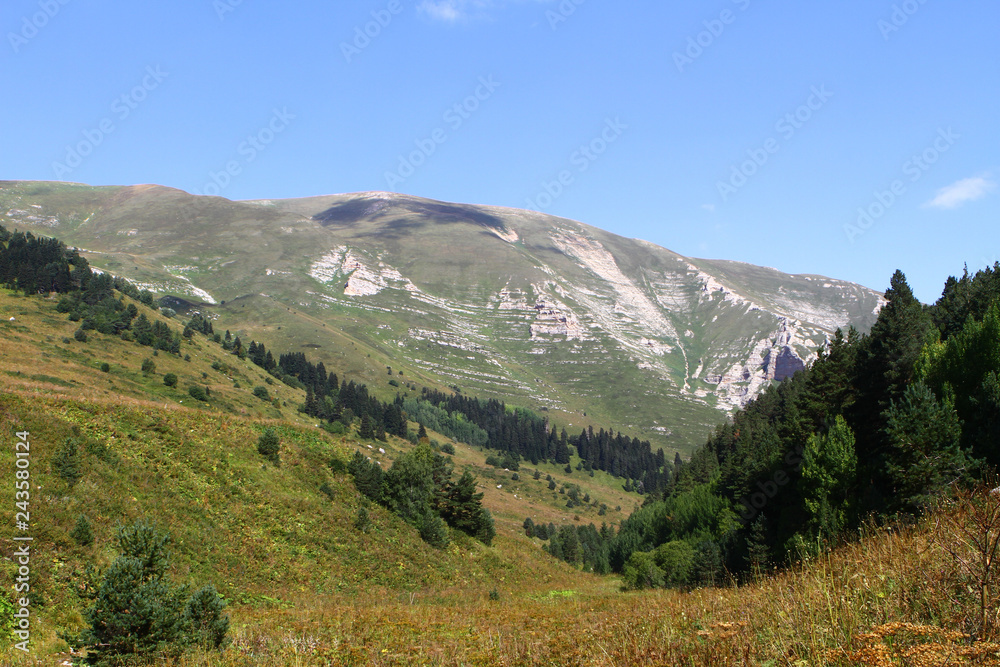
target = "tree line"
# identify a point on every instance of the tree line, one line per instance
(876, 427)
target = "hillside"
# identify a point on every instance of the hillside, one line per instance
(542, 312)
(266, 536)
(307, 586)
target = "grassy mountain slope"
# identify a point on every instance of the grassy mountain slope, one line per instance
(540, 311)
(307, 588)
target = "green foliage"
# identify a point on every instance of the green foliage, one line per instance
(326, 490)
(80, 335)
(261, 392)
(925, 455)
(137, 612)
(82, 533)
(362, 521)
(268, 445)
(148, 365)
(453, 424)
(204, 621)
(641, 571)
(66, 462)
(829, 467)
(966, 367)
(198, 393)
(105, 367)
(170, 379)
(448, 448)
(418, 487)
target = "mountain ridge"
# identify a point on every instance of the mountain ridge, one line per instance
(545, 312)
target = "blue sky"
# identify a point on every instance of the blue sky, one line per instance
(845, 138)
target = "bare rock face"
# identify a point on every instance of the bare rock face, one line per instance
(541, 312)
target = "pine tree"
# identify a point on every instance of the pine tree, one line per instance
(925, 455)
(203, 620)
(268, 445)
(136, 611)
(66, 462)
(82, 533)
(367, 429)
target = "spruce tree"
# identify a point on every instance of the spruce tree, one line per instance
(925, 455)
(82, 533)
(66, 462)
(268, 445)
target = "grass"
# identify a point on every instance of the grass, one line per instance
(307, 588)
(256, 257)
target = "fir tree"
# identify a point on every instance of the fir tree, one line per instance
(268, 445)
(924, 455)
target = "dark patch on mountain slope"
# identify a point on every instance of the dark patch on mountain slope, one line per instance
(408, 214)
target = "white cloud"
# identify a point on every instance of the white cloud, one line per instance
(448, 11)
(452, 11)
(965, 190)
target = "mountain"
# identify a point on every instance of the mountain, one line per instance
(543, 312)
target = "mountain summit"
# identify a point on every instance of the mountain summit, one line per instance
(541, 311)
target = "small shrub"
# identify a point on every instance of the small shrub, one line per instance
(261, 392)
(82, 533)
(494, 595)
(198, 393)
(148, 366)
(336, 428)
(326, 490)
(203, 620)
(187, 357)
(448, 448)
(515, 477)
(269, 445)
(66, 462)
(67, 341)
(80, 335)
(362, 521)
(170, 380)
(168, 312)
(105, 367)
(216, 366)
(127, 336)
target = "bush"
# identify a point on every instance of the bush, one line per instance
(336, 428)
(261, 392)
(138, 613)
(198, 393)
(362, 521)
(82, 533)
(269, 445)
(326, 490)
(448, 448)
(168, 312)
(66, 462)
(203, 620)
(105, 367)
(80, 335)
(127, 336)
(148, 366)
(170, 380)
